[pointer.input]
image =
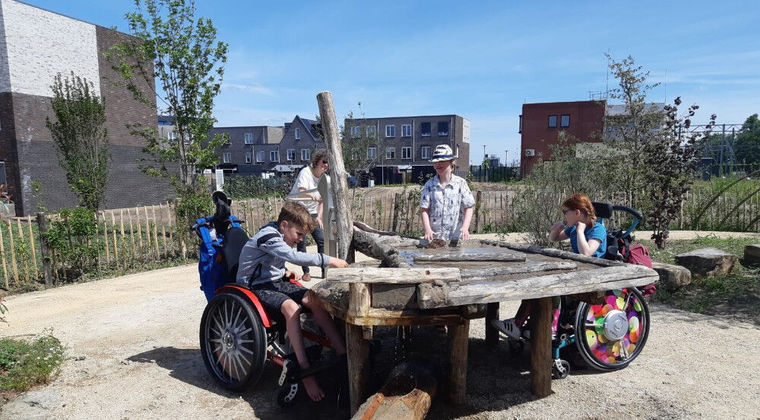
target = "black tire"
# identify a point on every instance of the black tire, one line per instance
(233, 340)
(561, 371)
(611, 336)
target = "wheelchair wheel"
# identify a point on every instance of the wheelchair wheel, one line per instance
(610, 336)
(233, 340)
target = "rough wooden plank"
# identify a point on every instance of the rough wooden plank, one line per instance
(339, 184)
(388, 317)
(551, 252)
(394, 275)
(486, 273)
(458, 339)
(469, 254)
(432, 295)
(394, 296)
(540, 349)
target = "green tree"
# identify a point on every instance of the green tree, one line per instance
(188, 64)
(80, 137)
(356, 141)
(747, 145)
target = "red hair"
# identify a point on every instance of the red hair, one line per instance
(580, 202)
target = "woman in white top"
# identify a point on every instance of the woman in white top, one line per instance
(308, 179)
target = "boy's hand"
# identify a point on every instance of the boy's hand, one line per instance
(337, 263)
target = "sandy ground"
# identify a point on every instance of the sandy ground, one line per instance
(132, 346)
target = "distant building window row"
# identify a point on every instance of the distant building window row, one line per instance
(564, 121)
(406, 130)
(274, 155)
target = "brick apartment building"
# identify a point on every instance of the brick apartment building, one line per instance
(263, 150)
(405, 144)
(541, 123)
(35, 45)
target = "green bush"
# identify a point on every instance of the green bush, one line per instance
(70, 237)
(24, 364)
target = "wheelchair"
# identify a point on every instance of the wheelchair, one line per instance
(237, 335)
(608, 334)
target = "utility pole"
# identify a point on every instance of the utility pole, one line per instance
(484, 152)
(506, 157)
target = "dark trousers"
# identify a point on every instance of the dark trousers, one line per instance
(319, 237)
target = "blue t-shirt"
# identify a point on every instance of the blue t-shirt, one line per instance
(596, 231)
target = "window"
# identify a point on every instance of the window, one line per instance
(552, 121)
(260, 156)
(248, 157)
(406, 130)
(372, 152)
(305, 155)
(443, 128)
(564, 121)
(171, 135)
(356, 131)
(425, 152)
(519, 130)
(274, 155)
(406, 153)
(248, 138)
(425, 129)
(355, 155)
(227, 157)
(390, 131)
(390, 153)
(3, 180)
(371, 131)
(291, 154)
(298, 134)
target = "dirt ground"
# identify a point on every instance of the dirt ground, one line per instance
(132, 346)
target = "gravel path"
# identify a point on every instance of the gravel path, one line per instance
(132, 343)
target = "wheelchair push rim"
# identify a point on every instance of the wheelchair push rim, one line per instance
(613, 334)
(233, 341)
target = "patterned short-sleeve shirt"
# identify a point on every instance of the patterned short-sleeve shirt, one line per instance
(446, 205)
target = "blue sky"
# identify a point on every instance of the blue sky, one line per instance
(481, 60)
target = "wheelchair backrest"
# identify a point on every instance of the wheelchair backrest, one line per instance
(234, 241)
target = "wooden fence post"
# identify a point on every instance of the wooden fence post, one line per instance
(396, 210)
(476, 216)
(21, 239)
(47, 267)
(2, 257)
(13, 254)
(31, 244)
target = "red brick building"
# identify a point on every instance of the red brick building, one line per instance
(541, 123)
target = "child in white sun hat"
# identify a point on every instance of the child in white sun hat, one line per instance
(446, 202)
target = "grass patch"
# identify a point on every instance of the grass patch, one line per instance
(28, 363)
(736, 295)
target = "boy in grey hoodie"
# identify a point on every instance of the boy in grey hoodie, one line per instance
(262, 269)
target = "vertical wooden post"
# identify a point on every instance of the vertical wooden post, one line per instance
(47, 267)
(155, 233)
(492, 334)
(458, 340)
(21, 239)
(540, 347)
(2, 257)
(147, 231)
(357, 349)
(115, 242)
(106, 238)
(476, 216)
(163, 230)
(396, 210)
(139, 231)
(31, 245)
(131, 235)
(338, 184)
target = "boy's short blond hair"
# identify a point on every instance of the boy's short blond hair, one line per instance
(296, 214)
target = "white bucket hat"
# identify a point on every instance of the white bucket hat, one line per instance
(442, 153)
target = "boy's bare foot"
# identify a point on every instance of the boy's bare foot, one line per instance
(312, 388)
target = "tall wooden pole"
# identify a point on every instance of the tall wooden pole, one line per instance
(339, 183)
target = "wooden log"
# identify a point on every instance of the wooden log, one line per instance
(458, 339)
(338, 173)
(469, 254)
(357, 353)
(551, 252)
(471, 274)
(367, 244)
(540, 348)
(406, 394)
(432, 295)
(404, 275)
(359, 299)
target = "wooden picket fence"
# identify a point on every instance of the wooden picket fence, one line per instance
(130, 239)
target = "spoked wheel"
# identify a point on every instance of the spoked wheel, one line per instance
(233, 340)
(610, 336)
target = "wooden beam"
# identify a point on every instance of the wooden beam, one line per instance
(492, 334)
(458, 340)
(476, 254)
(338, 184)
(432, 295)
(395, 275)
(357, 352)
(367, 244)
(470, 274)
(540, 347)
(551, 252)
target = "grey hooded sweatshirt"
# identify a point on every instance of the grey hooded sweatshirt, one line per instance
(263, 257)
